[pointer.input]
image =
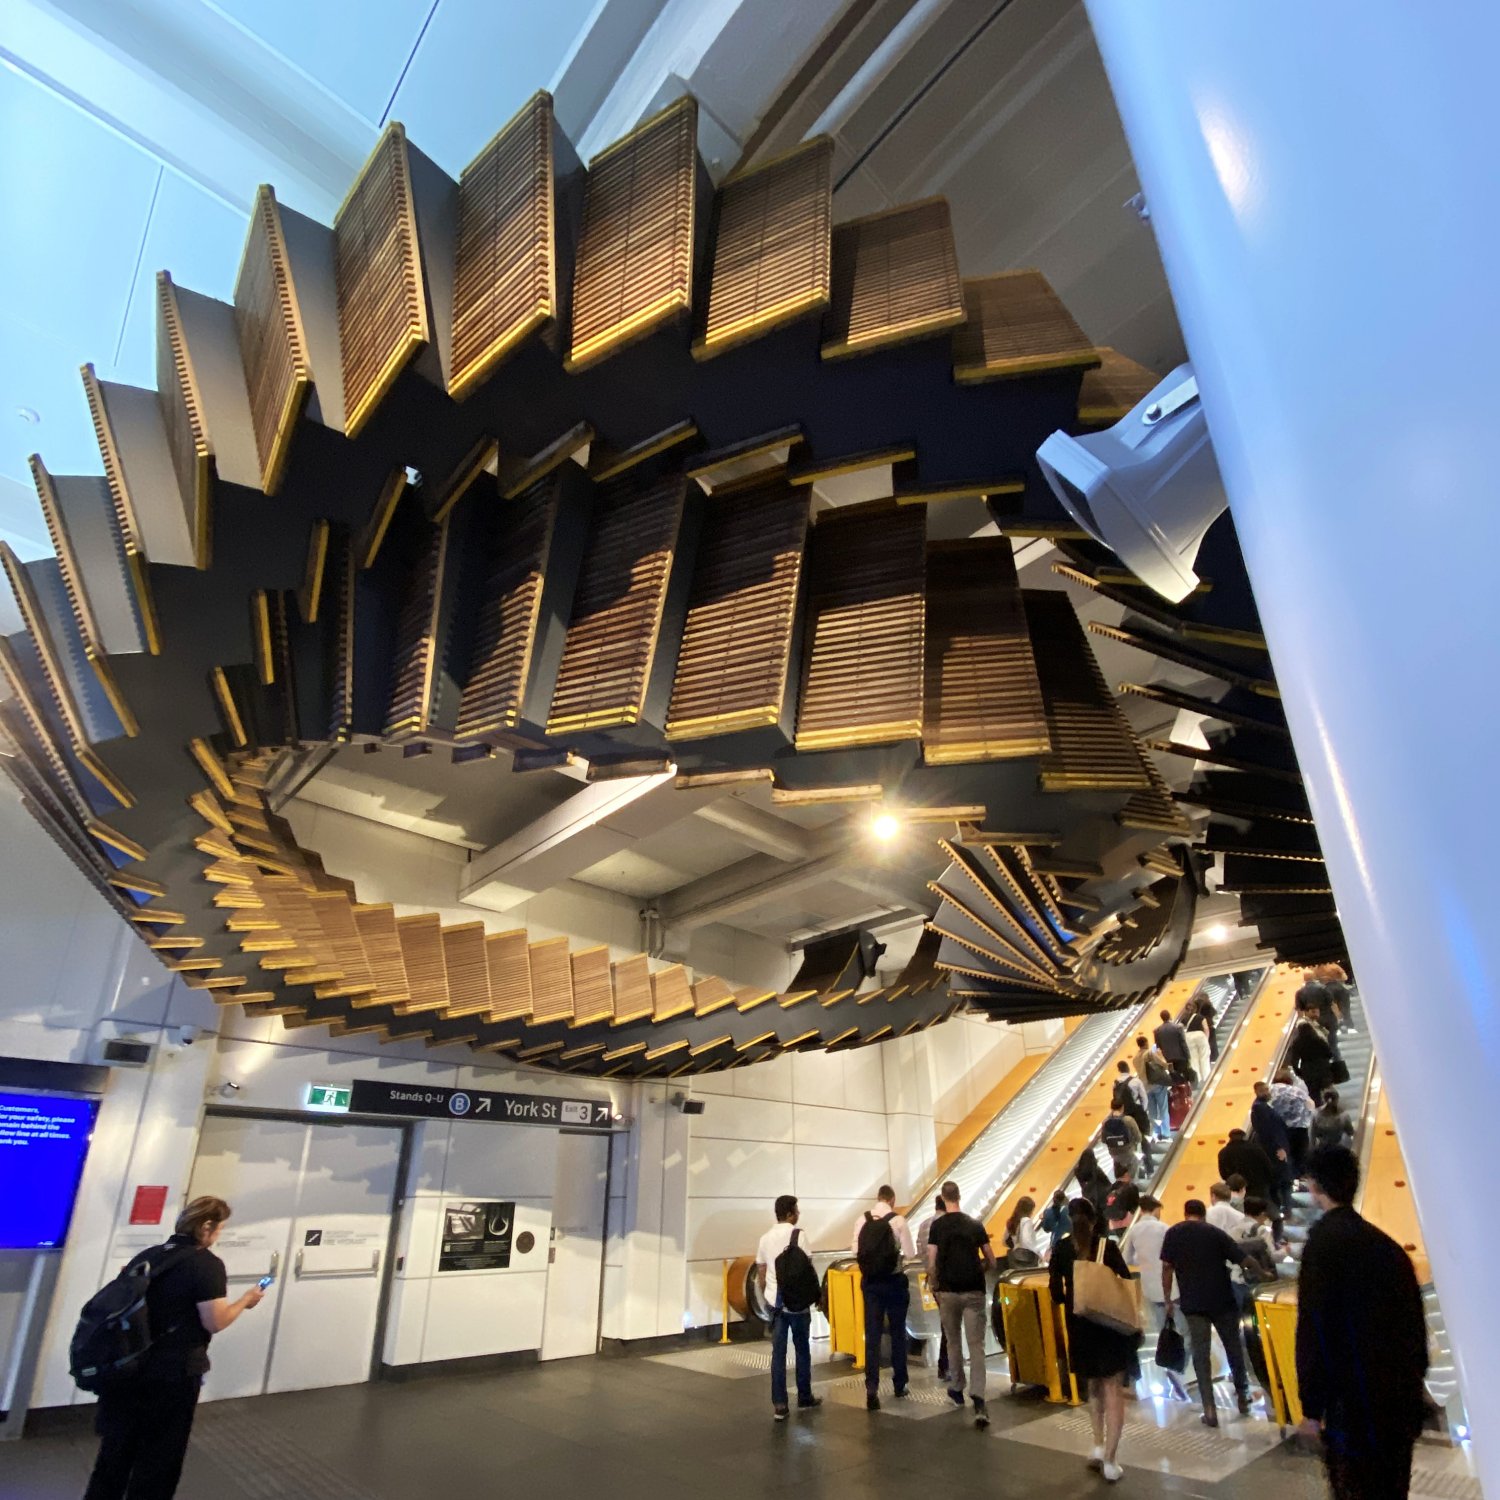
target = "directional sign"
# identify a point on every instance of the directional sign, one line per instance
(372, 1097)
(328, 1097)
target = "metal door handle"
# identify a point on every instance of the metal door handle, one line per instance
(256, 1275)
(309, 1275)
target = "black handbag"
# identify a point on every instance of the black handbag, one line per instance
(1171, 1349)
(1339, 1070)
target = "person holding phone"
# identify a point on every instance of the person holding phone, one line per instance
(144, 1419)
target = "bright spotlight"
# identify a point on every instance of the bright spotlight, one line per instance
(1217, 933)
(885, 826)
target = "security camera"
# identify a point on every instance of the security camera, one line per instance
(1148, 488)
(687, 1106)
(187, 1035)
(229, 1088)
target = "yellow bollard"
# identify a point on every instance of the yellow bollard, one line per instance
(724, 1338)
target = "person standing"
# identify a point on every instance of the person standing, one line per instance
(1171, 1042)
(1331, 1125)
(1310, 1053)
(924, 1234)
(1334, 1013)
(1198, 1032)
(1092, 1183)
(1269, 1133)
(1198, 1255)
(1055, 1221)
(1361, 1341)
(1103, 1357)
(791, 1315)
(1122, 1139)
(144, 1421)
(1123, 1201)
(1290, 1100)
(1242, 1157)
(1152, 1069)
(1130, 1092)
(882, 1241)
(1141, 1248)
(958, 1258)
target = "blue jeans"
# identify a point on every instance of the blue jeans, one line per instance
(1158, 1106)
(887, 1299)
(800, 1327)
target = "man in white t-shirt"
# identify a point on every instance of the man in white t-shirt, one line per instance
(783, 1323)
(886, 1291)
(1222, 1214)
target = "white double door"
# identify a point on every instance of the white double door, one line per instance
(312, 1205)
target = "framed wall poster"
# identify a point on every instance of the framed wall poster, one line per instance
(477, 1236)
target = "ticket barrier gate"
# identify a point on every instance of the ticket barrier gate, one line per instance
(844, 1296)
(1276, 1320)
(1035, 1335)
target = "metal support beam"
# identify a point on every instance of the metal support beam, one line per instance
(761, 830)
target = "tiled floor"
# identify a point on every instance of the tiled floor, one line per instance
(688, 1426)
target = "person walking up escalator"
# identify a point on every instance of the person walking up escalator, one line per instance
(881, 1242)
(958, 1258)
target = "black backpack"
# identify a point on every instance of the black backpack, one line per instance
(114, 1332)
(1121, 1094)
(877, 1253)
(797, 1284)
(1113, 1131)
(1158, 1074)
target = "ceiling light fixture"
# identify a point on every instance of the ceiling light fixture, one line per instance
(885, 826)
(1217, 933)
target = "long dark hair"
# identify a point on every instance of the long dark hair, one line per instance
(1085, 1219)
(1024, 1208)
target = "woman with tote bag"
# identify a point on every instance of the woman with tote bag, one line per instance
(1092, 1283)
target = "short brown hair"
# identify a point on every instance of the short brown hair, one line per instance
(950, 1191)
(200, 1212)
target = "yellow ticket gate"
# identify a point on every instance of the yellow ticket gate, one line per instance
(1276, 1318)
(1036, 1337)
(844, 1289)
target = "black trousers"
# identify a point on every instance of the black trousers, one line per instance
(143, 1431)
(1385, 1475)
(887, 1299)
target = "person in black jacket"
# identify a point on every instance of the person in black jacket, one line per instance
(1361, 1341)
(1268, 1131)
(1247, 1158)
(144, 1422)
(1171, 1042)
(1309, 1053)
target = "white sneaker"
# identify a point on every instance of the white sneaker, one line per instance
(1096, 1458)
(1112, 1472)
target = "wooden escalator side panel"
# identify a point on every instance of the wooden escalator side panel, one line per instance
(1015, 324)
(981, 697)
(182, 414)
(863, 674)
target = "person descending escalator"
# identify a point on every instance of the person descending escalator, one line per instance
(1361, 1341)
(881, 1242)
(1130, 1093)
(1101, 1355)
(1290, 1100)
(1022, 1242)
(959, 1255)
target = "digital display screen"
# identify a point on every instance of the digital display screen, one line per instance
(44, 1140)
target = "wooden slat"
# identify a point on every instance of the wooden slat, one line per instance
(273, 348)
(617, 609)
(593, 999)
(383, 953)
(1092, 744)
(1015, 324)
(506, 622)
(467, 968)
(186, 426)
(862, 684)
(421, 939)
(378, 272)
(551, 981)
(671, 994)
(1116, 387)
(510, 975)
(770, 258)
(635, 253)
(894, 278)
(737, 638)
(505, 284)
(417, 645)
(631, 982)
(982, 700)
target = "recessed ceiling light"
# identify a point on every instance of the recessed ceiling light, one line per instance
(1217, 933)
(29, 414)
(885, 826)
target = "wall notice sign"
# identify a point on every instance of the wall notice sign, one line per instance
(378, 1098)
(477, 1236)
(147, 1205)
(329, 1097)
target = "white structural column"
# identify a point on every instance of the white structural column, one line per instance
(1323, 186)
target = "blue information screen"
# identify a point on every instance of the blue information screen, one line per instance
(44, 1139)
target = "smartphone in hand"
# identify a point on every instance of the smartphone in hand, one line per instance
(265, 1282)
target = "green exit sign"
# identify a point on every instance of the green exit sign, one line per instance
(328, 1096)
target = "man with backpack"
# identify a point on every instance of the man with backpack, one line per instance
(881, 1240)
(1130, 1093)
(142, 1345)
(1122, 1138)
(1151, 1068)
(958, 1258)
(789, 1284)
